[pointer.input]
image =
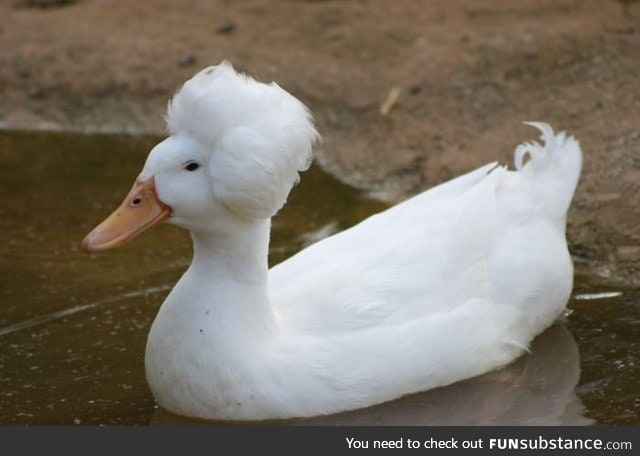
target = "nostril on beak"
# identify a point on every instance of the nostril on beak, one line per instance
(136, 201)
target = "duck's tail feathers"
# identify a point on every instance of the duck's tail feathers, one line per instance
(553, 167)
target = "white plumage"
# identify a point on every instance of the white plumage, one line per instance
(262, 136)
(449, 284)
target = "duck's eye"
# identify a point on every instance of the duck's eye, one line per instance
(192, 166)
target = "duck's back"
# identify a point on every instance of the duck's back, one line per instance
(489, 236)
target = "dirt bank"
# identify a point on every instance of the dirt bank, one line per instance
(406, 94)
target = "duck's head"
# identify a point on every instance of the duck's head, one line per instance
(234, 151)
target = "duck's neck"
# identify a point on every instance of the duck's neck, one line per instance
(239, 254)
(230, 271)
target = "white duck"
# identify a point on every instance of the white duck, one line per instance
(447, 285)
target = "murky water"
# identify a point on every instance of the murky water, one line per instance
(73, 326)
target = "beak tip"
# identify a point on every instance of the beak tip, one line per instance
(92, 245)
(86, 244)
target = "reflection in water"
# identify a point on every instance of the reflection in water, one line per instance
(538, 389)
(73, 326)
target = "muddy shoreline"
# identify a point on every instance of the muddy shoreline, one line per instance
(404, 96)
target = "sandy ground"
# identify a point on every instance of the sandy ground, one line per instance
(406, 93)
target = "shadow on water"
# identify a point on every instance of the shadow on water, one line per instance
(73, 326)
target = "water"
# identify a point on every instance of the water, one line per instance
(73, 326)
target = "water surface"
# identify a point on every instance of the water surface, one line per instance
(73, 326)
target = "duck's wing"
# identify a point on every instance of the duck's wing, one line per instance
(492, 236)
(424, 256)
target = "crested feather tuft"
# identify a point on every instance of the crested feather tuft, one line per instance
(259, 135)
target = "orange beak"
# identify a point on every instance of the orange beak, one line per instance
(140, 210)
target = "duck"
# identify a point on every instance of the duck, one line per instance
(446, 285)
